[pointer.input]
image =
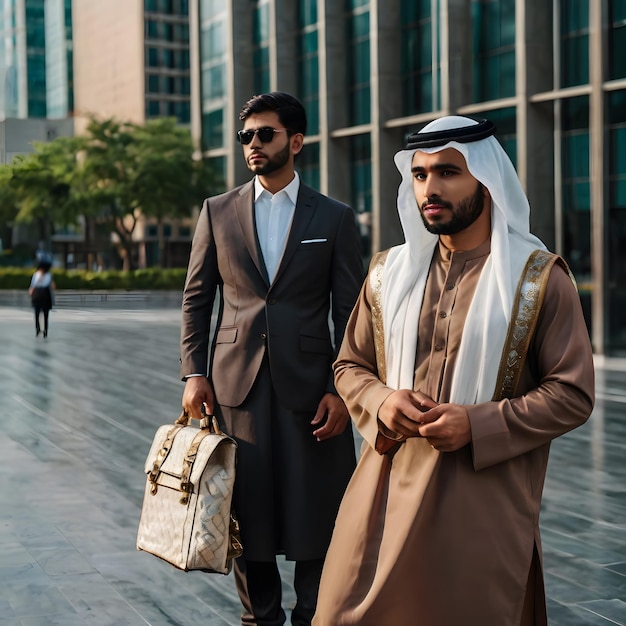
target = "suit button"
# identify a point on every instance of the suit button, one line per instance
(263, 335)
(271, 301)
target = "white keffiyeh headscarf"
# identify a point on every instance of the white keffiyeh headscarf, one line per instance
(407, 266)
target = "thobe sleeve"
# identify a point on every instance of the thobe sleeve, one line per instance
(558, 383)
(356, 375)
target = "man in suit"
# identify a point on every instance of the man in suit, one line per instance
(282, 257)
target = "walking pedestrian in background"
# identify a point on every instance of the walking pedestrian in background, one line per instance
(41, 293)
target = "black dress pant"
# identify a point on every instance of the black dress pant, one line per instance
(45, 312)
(260, 591)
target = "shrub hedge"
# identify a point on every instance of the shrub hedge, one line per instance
(147, 279)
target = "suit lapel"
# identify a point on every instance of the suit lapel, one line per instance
(305, 207)
(244, 208)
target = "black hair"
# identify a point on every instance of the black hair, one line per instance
(289, 109)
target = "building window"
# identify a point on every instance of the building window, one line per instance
(421, 75)
(617, 40)
(180, 110)
(36, 59)
(153, 57)
(576, 187)
(153, 108)
(616, 228)
(308, 63)
(213, 129)
(358, 55)
(153, 83)
(152, 29)
(218, 166)
(214, 43)
(308, 165)
(361, 185)
(506, 129)
(574, 20)
(214, 83)
(213, 40)
(211, 8)
(261, 43)
(494, 49)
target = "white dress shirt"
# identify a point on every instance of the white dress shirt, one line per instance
(273, 215)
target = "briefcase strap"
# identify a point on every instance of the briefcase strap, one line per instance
(186, 486)
(161, 456)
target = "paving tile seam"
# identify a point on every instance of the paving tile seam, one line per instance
(604, 617)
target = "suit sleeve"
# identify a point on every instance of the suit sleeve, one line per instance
(201, 285)
(560, 359)
(347, 277)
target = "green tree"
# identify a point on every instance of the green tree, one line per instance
(8, 197)
(111, 175)
(40, 185)
(166, 181)
(132, 170)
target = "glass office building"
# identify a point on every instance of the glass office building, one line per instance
(550, 73)
(36, 59)
(167, 84)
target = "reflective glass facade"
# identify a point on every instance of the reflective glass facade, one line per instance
(617, 39)
(358, 55)
(421, 68)
(361, 183)
(575, 181)
(493, 26)
(308, 165)
(36, 64)
(370, 71)
(167, 72)
(616, 226)
(308, 62)
(261, 38)
(36, 58)
(574, 22)
(213, 50)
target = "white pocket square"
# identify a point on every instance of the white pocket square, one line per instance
(314, 240)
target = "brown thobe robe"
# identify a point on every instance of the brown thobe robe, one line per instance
(425, 538)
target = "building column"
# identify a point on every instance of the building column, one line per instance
(598, 184)
(334, 152)
(535, 121)
(386, 104)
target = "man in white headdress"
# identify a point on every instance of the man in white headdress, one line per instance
(465, 355)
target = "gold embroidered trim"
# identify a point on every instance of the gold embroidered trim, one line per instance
(376, 284)
(528, 300)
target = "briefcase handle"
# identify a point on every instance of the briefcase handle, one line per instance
(208, 420)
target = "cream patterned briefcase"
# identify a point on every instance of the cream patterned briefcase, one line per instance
(186, 515)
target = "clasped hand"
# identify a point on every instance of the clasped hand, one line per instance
(408, 413)
(330, 420)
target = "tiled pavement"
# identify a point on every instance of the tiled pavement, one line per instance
(77, 414)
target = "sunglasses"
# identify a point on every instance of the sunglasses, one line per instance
(266, 134)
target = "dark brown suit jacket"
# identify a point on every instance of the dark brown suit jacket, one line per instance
(287, 320)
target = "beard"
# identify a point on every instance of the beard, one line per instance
(273, 164)
(466, 212)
